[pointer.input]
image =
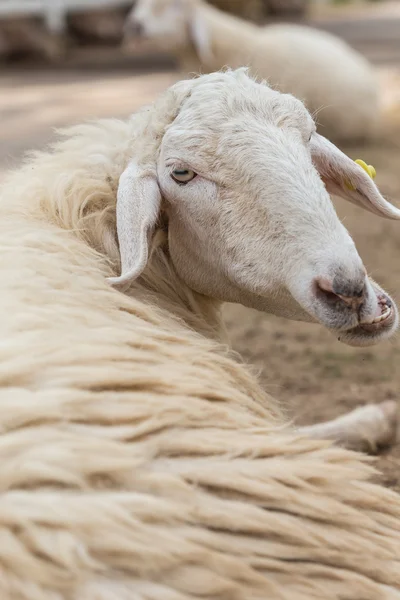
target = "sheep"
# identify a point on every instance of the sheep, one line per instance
(140, 458)
(333, 80)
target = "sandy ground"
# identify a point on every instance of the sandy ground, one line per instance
(314, 375)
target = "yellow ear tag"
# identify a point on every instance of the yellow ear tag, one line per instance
(367, 168)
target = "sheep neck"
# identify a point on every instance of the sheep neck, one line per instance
(161, 282)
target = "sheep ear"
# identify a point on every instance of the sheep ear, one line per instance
(201, 37)
(138, 208)
(344, 177)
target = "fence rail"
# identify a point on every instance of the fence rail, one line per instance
(54, 11)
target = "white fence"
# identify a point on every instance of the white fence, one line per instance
(54, 11)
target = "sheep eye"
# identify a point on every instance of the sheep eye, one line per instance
(183, 175)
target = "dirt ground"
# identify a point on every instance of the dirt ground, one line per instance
(315, 376)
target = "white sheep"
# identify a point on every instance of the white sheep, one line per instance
(335, 82)
(138, 458)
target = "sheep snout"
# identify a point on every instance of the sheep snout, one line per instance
(349, 293)
(359, 307)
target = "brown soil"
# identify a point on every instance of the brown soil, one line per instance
(314, 375)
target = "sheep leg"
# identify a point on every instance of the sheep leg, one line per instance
(364, 429)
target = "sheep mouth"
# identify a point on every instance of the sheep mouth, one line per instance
(374, 328)
(385, 314)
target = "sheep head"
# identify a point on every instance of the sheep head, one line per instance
(170, 25)
(244, 180)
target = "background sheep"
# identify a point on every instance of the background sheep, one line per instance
(138, 457)
(335, 81)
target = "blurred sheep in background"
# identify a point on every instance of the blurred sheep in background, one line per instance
(336, 83)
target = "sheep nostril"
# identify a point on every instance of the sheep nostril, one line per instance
(351, 296)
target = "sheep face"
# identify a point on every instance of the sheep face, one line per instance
(242, 176)
(170, 25)
(164, 22)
